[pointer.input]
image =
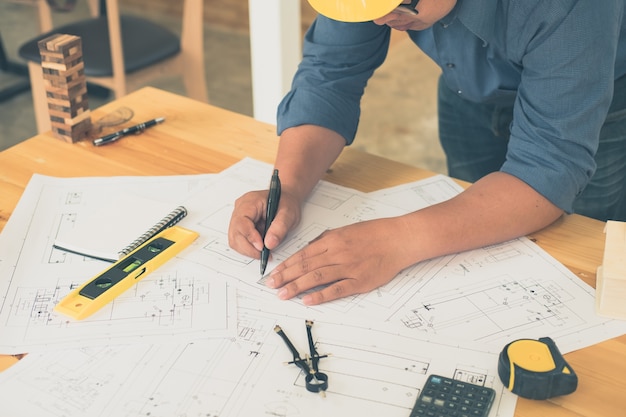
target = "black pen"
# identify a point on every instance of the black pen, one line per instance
(129, 130)
(270, 212)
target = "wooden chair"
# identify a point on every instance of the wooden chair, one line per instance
(124, 52)
(16, 69)
(43, 11)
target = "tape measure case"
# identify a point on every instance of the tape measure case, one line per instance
(535, 369)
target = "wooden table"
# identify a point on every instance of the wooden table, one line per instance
(199, 138)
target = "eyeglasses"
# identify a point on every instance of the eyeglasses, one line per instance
(408, 8)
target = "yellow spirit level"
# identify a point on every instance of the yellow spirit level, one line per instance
(85, 300)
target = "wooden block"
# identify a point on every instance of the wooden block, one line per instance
(66, 94)
(63, 82)
(63, 76)
(611, 275)
(66, 86)
(60, 43)
(67, 102)
(74, 133)
(50, 66)
(63, 121)
(68, 112)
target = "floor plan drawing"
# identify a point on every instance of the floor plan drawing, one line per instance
(197, 337)
(38, 276)
(497, 293)
(508, 289)
(370, 371)
(330, 206)
(168, 302)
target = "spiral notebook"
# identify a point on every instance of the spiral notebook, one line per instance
(112, 233)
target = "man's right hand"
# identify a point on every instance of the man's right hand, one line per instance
(248, 221)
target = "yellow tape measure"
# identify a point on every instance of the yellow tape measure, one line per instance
(85, 300)
(536, 369)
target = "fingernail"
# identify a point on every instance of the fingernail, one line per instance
(306, 300)
(269, 282)
(272, 240)
(282, 294)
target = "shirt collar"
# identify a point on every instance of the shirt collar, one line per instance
(478, 16)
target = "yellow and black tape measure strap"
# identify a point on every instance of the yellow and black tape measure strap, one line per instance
(536, 369)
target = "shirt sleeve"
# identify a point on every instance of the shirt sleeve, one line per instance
(568, 63)
(338, 60)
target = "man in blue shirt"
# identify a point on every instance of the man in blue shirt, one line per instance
(532, 110)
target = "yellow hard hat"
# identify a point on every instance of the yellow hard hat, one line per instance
(354, 10)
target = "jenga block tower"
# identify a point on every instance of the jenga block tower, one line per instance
(66, 86)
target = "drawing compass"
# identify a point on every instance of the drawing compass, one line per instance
(315, 381)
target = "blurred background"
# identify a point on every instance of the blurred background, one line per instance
(398, 110)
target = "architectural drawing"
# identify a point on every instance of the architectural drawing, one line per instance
(371, 372)
(497, 294)
(196, 338)
(168, 302)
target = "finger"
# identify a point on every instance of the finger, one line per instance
(276, 233)
(317, 278)
(287, 217)
(338, 289)
(322, 294)
(243, 235)
(305, 261)
(245, 244)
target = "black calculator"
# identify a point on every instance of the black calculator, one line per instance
(447, 397)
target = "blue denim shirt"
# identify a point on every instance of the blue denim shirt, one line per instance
(555, 61)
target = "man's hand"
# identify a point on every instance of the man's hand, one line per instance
(345, 261)
(361, 257)
(248, 221)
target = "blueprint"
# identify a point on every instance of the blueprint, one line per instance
(329, 206)
(370, 372)
(172, 301)
(491, 295)
(196, 338)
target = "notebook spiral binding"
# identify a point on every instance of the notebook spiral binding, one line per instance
(170, 220)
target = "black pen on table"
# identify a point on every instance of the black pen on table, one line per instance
(128, 131)
(273, 199)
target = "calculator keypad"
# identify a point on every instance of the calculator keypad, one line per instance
(447, 397)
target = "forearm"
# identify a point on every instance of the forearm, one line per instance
(304, 155)
(365, 255)
(496, 208)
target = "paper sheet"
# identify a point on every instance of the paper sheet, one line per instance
(108, 226)
(510, 290)
(490, 295)
(383, 344)
(172, 301)
(371, 372)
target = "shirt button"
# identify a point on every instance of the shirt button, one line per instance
(450, 65)
(459, 92)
